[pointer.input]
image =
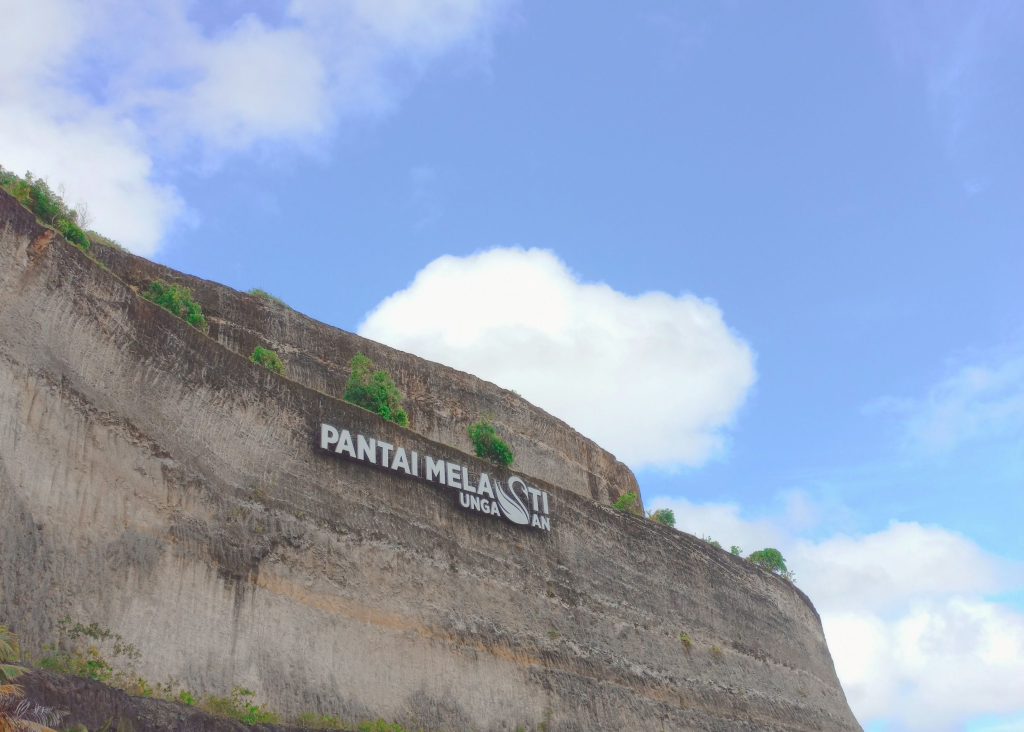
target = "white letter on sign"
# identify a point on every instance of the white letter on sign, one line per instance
(328, 436)
(401, 461)
(345, 444)
(367, 449)
(435, 471)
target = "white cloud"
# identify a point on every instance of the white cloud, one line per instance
(125, 90)
(101, 161)
(654, 378)
(934, 667)
(903, 610)
(978, 401)
(906, 562)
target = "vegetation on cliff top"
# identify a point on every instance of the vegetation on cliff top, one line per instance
(178, 300)
(768, 559)
(48, 205)
(374, 390)
(268, 359)
(257, 292)
(487, 443)
(772, 561)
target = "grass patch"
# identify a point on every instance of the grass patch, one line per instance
(239, 705)
(257, 292)
(319, 721)
(97, 238)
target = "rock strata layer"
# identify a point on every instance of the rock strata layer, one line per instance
(156, 481)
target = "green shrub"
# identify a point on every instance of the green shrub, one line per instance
(712, 542)
(665, 516)
(629, 502)
(73, 233)
(267, 358)
(488, 445)
(685, 640)
(769, 559)
(239, 705)
(257, 292)
(375, 391)
(319, 721)
(177, 300)
(36, 195)
(736, 550)
(77, 652)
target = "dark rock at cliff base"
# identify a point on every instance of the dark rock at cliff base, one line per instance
(95, 705)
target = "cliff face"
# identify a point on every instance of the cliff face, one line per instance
(441, 401)
(154, 480)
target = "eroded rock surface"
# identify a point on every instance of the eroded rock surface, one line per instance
(154, 480)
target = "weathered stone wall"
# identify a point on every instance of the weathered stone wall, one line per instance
(157, 482)
(441, 401)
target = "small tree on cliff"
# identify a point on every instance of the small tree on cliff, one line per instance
(665, 516)
(374, 390)
(771, 560)
(487, 443)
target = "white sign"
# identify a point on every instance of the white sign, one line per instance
(515, 501)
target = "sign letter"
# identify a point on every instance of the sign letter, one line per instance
(328, 436)
(435, 471)
(367, 449)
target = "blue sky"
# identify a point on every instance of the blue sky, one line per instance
(841, 183)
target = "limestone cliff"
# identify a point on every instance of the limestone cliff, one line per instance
(156, 481)
(441, 401)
